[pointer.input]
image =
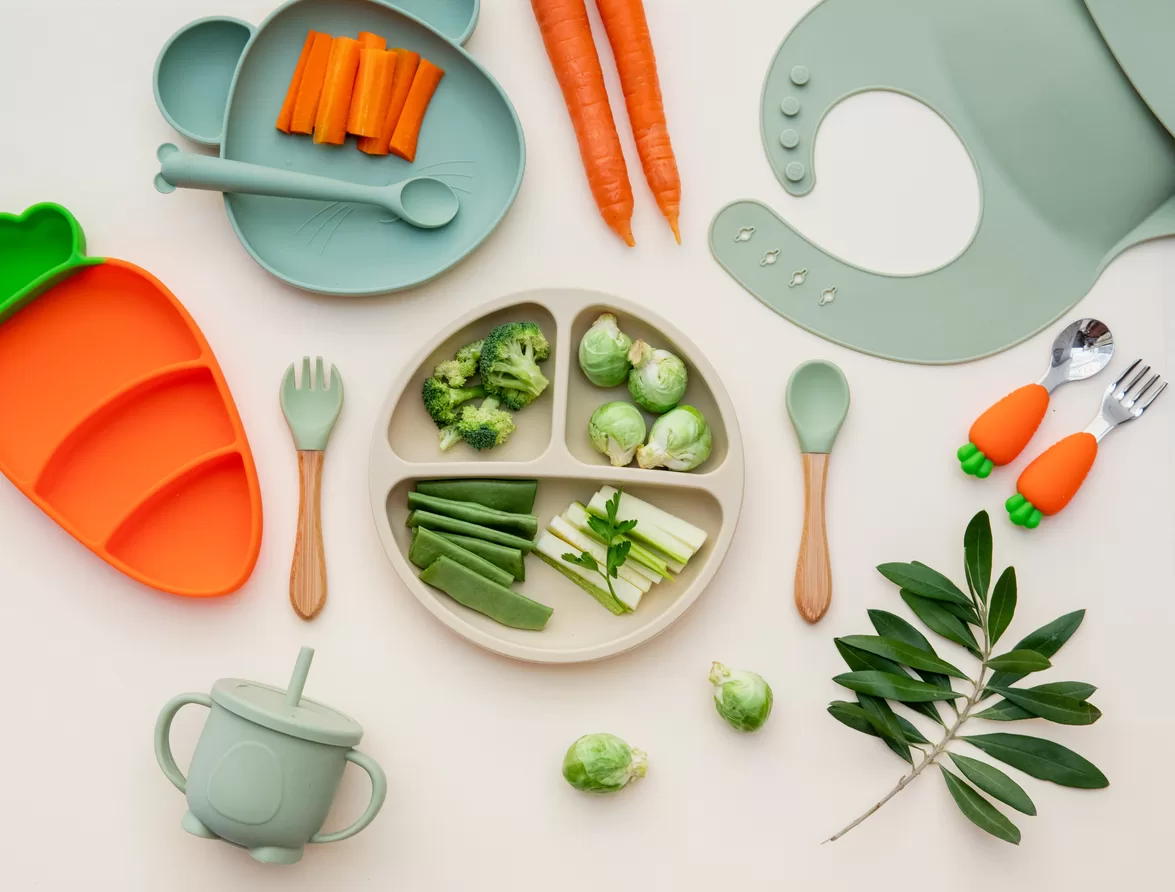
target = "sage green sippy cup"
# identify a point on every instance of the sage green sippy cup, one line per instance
(267, 766)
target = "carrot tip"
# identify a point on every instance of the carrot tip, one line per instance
(623, 229)
(674, 227)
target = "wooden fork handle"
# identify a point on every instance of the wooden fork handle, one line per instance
(813, 569)
(308, 572)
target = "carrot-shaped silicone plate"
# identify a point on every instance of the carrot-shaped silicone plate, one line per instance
(1050, 482)
(118, 422)
(1000, 434)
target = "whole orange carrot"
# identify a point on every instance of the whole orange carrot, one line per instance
(628, 32)
(567, 35)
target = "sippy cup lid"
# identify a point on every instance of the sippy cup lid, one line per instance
(287, 711)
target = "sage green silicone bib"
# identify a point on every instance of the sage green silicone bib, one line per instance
(1074, 167)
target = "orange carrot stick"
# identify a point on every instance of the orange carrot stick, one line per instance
(373, 92)
(632, 47)
(406, 64)
(287, 112)
(407, 132)
(310, 88)
(369, 41)
(330, 126)
(567, 35)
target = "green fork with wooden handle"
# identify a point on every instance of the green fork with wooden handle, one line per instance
(311, 408)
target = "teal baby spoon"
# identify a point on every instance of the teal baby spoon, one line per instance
(817, 403)
(423, 202)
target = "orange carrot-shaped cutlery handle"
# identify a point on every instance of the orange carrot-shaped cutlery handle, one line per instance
(1001, 433)
(1050, 482)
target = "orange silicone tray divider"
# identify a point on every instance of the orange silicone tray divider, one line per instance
(120, 426)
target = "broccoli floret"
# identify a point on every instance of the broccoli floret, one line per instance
(509, 363)
(455, 372)
(441, 400)
(485, 426)
(450, 437)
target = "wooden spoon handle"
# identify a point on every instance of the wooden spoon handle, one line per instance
(813, 570)
(308, 572)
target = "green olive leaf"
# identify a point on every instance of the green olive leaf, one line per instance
(977, 549)
(941, 621)
(890, 625)
(994, 783)
(1042, 759)
(979, 811)
(902, 653)
(1003, 605)
(893, 687)
(1004, 711)
(854, 716)
(1052, 707)
(1046, 641)
(924, 582)
(860, 659)
(884, 718)
(1022, 662)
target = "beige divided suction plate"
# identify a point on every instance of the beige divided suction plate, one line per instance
(551, 445)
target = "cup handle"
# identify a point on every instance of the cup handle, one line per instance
(163, 736)
(379, 792)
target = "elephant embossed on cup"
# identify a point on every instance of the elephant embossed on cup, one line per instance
(267, 766)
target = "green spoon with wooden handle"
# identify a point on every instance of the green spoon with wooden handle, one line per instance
(817, 403)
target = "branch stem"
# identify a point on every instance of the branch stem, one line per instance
(952, 732)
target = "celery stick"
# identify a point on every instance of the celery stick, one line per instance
(579, 542)
(551, 549)
(634, 508)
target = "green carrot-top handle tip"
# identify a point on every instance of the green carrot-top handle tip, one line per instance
(974, 462)
(1022, 512)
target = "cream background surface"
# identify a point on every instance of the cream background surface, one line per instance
(472, 742)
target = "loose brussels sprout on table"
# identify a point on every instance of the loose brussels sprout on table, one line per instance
(616, 430)
(743, 698)
(679, 441)
(603, 763)
(603, 353)
(658, 378)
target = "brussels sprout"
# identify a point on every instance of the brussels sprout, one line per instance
(616, 430)
(657, 380)
(603, 763)
(679, 441)
(742, 698)
(603, 353)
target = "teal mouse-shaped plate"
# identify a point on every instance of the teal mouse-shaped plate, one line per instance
(471, 139)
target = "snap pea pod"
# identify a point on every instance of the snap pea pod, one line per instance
(499, 603)
(512, 560)
(427, 546)
(440, 523)
(519, 524)
(515, 496)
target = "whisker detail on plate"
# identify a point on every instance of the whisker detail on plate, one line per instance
(340, 209)
(342, 219)
(441, 164)
(316, 215)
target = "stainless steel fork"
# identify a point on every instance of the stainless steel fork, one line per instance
(1050, 482)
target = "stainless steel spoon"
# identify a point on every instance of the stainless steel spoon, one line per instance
(423, 202)
(1000, 434)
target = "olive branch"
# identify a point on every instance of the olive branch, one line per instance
(879, 673)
